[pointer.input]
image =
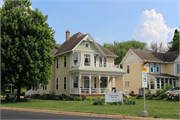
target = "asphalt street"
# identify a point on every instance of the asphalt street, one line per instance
(16, 114)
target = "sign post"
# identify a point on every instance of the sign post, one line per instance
(11, 87)
(144, 85)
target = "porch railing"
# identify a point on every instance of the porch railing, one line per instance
(100, 65)
(87, 91)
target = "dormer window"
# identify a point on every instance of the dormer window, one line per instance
(87, 44)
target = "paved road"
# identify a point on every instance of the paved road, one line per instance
(15, 114)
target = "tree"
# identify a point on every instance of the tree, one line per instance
(162, 48)
(26, 41)
(121, 48)
(174, 44)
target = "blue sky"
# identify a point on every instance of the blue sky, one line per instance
(115, 20)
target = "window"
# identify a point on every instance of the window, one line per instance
(152, 83)
(57, 82)
(64, 61)
(158, 87)
(103, 82)
(75, 58)
(157, 68)
(151, 67)
(178, 68)
(100, 61)
(128, 70)
(86, 82)
(75, 82)
(94, 61)
(57, 63)
(127, 83)
(86, 60)
(87, 45)
(104, 61)
(65, 83)
(45, 87)
(162, 83)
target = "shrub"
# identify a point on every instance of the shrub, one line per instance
(33, 96)
(83, 97)
(89, 98)
(130, 97)
(78, 98)
(99, 101)
(128, 101)
(138, 96)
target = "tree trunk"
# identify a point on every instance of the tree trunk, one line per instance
(18, 91)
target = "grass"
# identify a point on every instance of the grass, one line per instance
(155, 108)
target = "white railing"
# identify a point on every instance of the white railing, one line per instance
(74, 90)
(104, 65)
(126, 93)
(87, 91)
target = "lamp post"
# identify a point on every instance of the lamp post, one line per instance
(11, 87)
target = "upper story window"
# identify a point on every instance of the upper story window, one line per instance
(75, 58)
(127, 69)
(100, 61)
(157, 68)
(151, 68)
(87, 44)
(105, 62)
(94, 60)
(57, 63)
(64, 61)
(86, 60)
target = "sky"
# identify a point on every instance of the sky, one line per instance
(112, 20)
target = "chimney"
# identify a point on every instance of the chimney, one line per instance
(67, 35)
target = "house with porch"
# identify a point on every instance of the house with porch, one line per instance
(162, 68)
(83, 67)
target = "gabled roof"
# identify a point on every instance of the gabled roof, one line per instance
(74, 40)
(71, 43)
(53, 51)
(158, 57)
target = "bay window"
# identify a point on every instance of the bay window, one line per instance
(75, 82)
(86, 60)
(100, 61)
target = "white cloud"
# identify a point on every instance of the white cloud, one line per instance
(152, 28)
(1, 3)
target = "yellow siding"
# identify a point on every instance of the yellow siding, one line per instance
(169, 68)
(163, 68)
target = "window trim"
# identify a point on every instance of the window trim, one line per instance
(66, 82)
(73, 57)
(65, 61)
(154, 83)
(87, 43)
(126, 69)
(84, 80)
(57, 78)
(125, 83)
(57, 63)
(152, 67)
(45, 87)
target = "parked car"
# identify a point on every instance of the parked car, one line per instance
(174, 90)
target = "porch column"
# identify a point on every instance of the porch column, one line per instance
(108, 83)
(172, 83)
(168, 81)
(159, 83)
(113, 82)
(149, 83)
(79, 86)
(164, 83)
(70, 84)
(89, 83)
(99, 84)
(155, 80)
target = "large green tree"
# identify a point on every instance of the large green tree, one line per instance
(174, 44)
(121, 48)
(26, 41)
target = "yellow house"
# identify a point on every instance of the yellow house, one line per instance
(161, 68)
(83, 67)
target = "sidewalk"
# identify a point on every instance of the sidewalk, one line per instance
(85, 114)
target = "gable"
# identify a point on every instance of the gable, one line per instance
(130, 57)
(91, 48)
(177, 59)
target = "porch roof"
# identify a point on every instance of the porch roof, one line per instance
(163, 75)
(96, 69)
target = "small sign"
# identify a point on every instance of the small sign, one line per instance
(144, 79)
(113, 97)
(144, 69)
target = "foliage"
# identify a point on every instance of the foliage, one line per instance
(138, 96)
(26, 42)
(99, 101)
(161, 47)
(174, 44)
(121, 48)
(127, 101)
(167, 87)
(89, 98)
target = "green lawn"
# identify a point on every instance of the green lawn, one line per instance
(155, 108)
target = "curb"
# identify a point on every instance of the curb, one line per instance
(85, 114)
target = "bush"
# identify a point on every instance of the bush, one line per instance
(83, 97)
(89, 98)
(78, 98)
(138, 96)
(128, 102)
(99, 101)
